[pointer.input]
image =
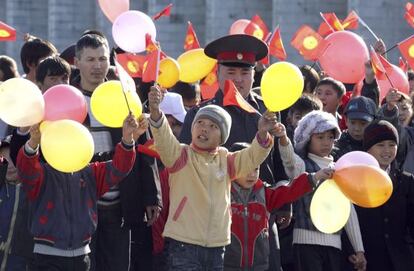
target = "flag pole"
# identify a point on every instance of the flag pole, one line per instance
(124, 90)
(393, 47)
(368, 28)
(323, 18)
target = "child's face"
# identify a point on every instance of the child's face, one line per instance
(175, 125)
(206, 134)
(385, 152)
(295, 118)
(405, 110)
(321, 144)
(329, 98)
(250, 180)
(53, 80)
(356, 128)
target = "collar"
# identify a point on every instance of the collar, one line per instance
(322, 162)
(201, 150)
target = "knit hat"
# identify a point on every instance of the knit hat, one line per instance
(219, 116)
(379, 131)
(312, 123)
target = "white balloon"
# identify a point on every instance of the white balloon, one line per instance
(130, 28)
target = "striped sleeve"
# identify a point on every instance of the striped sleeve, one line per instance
(353, 231)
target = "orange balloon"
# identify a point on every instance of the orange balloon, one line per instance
(365, 186)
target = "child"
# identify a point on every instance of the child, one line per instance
(359, 113)
(384, 228)
(405, 111)
(198, 225)
(330, 92)
(52, 71)
(252, 202)
(64, 204)
(305, 104)
(313, 250)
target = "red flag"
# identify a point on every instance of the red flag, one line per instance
(233, 97)
(324, 29)
(209, 85)
(148, 148)
(150, 71)
(191, 41)
(409, 14)
(309, 43)
(276, 47)
(406, 48)
(7, 33)
(376, 63)
(332, 21)
(165, 12)
(133, 64)
(150, 45)
(351, 21)
(128, 84)
(403, 65)
(257, 27)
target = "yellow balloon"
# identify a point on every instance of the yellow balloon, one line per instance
(108, 104)
(21, 102)
(67, 145)
(195, 65)
(281, 86)
(330, 208)
(169, 72)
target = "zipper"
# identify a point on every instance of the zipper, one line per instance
(246, 234)
(210, 207)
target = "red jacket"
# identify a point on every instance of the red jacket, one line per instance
(249, 246)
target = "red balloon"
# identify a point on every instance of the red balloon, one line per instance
(345, 57)
(238, 26)
(398, 78)
(65, 102)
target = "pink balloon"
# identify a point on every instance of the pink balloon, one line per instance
(345, 57)
(356, 158)
(113, 8)
(398, 78)
(130, 28)
(238, 26)
(65, 102)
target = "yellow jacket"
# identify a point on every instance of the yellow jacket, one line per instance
(200, 186)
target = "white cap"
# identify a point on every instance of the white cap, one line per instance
(172, 104)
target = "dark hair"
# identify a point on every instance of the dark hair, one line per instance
(306, 103)
(52, 66)
(311, 76)
(410, 74)
(33, 50)
(90, 41)
(238, 146)
(186, 90)
(337, 85)
(8, 67)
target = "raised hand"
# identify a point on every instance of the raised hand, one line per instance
(155, 97)
(35, 135)
(129, 126)
(142, 127)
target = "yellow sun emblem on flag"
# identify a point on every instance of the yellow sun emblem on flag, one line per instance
(310, 43)
(189, 39)
(4, 33)
(144, 67)
(258, 33)
(133, 66)
(210, 78)
(411, 51)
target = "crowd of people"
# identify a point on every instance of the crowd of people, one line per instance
(221, 189)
